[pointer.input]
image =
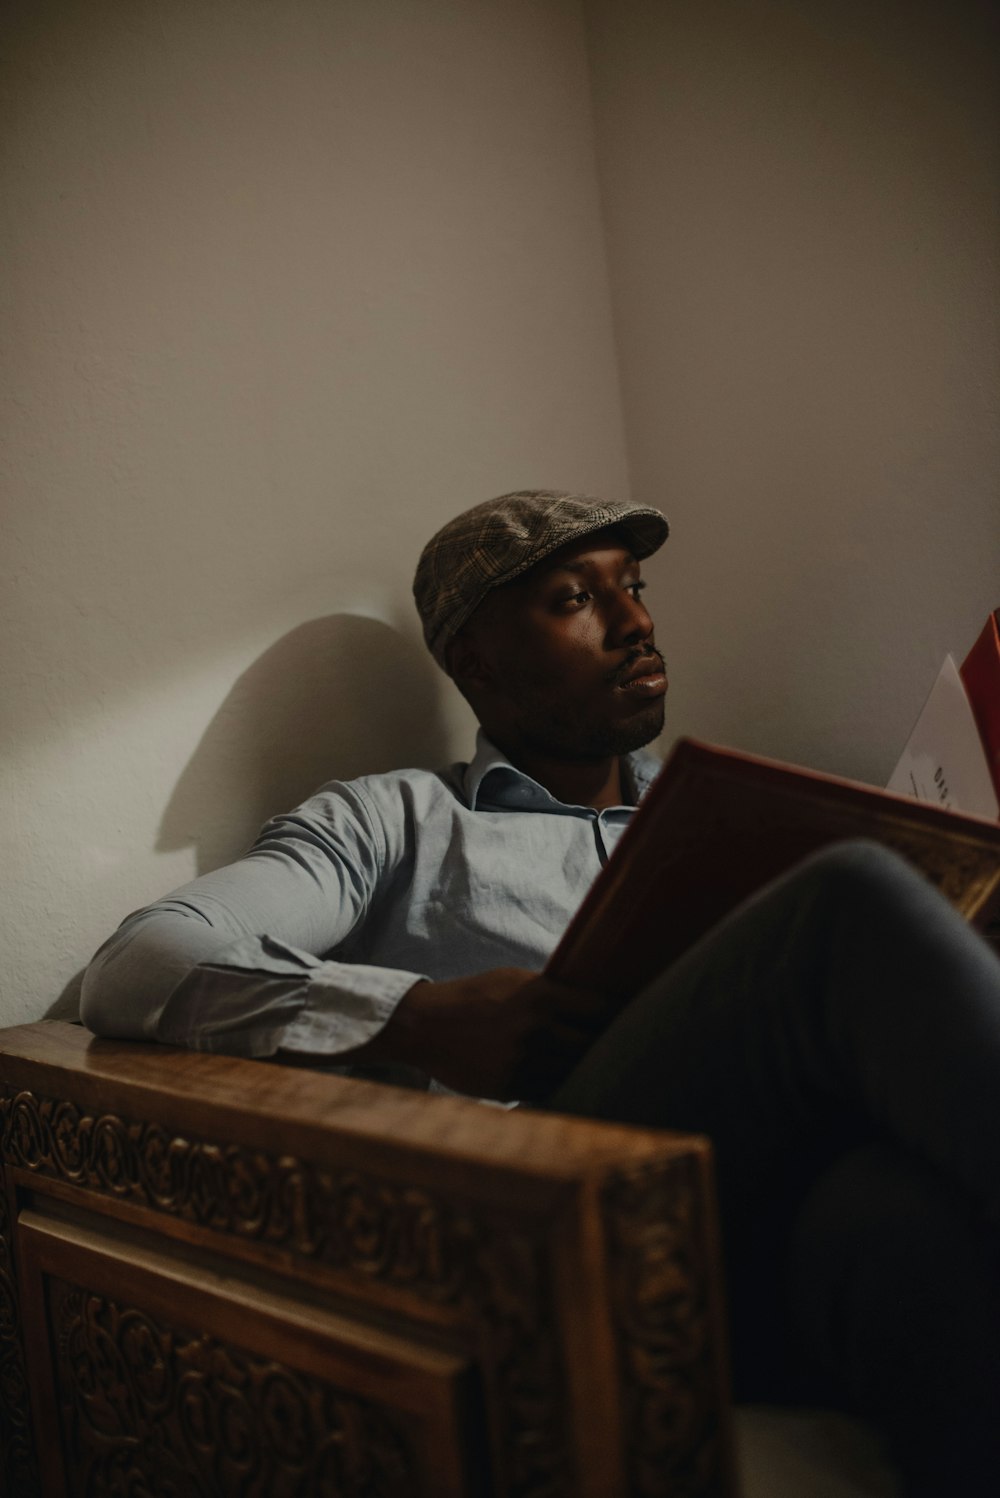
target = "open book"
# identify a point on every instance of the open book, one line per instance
(716, 825)
(952, 757)
(945, 758)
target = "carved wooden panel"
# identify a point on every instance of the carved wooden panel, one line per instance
(165, 1376)
(570, 1267)
(659, 1261)
(18, 1470)
(374, 1228)
(147, 1407)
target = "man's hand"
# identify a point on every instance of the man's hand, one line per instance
(503, 1034)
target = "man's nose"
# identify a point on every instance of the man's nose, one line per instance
(631, 623)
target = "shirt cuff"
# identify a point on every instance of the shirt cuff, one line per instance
(345, 1005)
(260, 996)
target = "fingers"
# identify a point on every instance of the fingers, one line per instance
(504, 1033)
(579, 1007)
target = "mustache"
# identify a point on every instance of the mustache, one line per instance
(616, 677)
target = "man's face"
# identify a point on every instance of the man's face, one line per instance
(562, 660)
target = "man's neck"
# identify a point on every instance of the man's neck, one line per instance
(596, 783)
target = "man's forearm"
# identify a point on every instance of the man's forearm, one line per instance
(174, 979)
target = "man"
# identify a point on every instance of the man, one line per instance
(838, 1037)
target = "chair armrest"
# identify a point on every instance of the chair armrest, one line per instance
(267, 1276)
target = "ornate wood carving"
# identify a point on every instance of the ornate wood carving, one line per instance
(18, 1473)
(342, 1218)
(374, 1228)
(659, 1286)
(147, 1408)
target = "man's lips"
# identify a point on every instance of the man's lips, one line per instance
(645, 677)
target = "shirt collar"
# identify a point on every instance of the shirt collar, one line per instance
(512, 787)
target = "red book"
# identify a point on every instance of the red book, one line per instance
(717, 825)
(980, 673)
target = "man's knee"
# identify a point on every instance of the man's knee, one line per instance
(863, 870)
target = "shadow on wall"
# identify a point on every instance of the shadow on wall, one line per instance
(335, 698)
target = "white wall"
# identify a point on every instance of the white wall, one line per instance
(289, 284)
(802, 214)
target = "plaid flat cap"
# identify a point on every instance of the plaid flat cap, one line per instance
(494, 542)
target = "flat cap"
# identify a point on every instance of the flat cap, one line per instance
(494, 542)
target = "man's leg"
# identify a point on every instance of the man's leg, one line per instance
(893, 1299)
(847, 1003)
(848, 1000)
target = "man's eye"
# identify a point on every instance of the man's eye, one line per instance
(636, 588)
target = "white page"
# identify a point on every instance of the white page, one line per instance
(944, 760)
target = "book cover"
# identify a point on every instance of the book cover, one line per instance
(980, 673)
(717, 825)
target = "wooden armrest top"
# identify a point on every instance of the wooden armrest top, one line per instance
(298, 1111)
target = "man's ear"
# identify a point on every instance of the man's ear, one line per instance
(467, 662)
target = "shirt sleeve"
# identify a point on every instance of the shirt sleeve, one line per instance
(233, 961)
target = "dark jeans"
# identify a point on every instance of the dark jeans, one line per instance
(838, 1039)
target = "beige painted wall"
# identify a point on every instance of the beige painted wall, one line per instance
(289, 284)
(802, 213)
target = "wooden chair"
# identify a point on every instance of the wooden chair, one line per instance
(222, 1276)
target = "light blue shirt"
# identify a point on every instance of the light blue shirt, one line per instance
(306, 945)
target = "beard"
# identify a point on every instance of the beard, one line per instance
(566, 731)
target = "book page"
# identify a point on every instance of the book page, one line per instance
(944, 760)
